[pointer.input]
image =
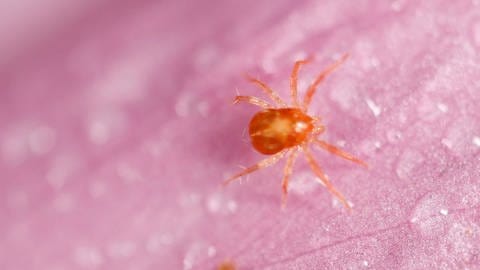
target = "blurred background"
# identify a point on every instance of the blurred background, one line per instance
(116, 129)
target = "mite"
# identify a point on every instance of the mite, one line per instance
(281, 130)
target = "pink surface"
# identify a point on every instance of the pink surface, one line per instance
(116, 129)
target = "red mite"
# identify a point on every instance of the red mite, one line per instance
(280, 129)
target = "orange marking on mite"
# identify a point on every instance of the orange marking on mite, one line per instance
(280, 129)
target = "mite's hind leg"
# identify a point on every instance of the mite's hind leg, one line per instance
(287, 172)
(339, 152)
(272, 94)
(252, 100)
(261, 164)
(313, 87)
(323, 178)
(293, 81)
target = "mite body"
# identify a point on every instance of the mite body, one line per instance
(280, 129)
(273, 130)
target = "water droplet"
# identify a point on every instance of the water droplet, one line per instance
(203, 108)
(376, 110)
(302, 183)
(442, 107)
(398, 5)
(426, 216)
(158, 240)
(121, 249)
(63, 203)
(408, 161)
(205, 56)
(128, 173)
(97, 189)
(476, 141)
(14, 147)
(462, 243)
(62, 168)
(98, 132)
(218, 203)
(211, 251)
(444, 212)
(41, 140)
(102, 126)
(475, 30)
(196, 253)
(87, 256)
(393, 136)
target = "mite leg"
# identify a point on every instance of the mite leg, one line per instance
(287, 172)
(272, 94)
(293, 81)
(313, 87)
(339, 152)
(261, 164)
(323, 178)
(252, 100)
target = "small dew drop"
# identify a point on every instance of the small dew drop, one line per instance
(63, 203)
(211, 251)
(341, 143)
(62, 168)
(203, 108)
(397, 5)
(447, 143)
(408, 161)
(104, 125)
(302, 183)
(365, 263)
(156, 241)
(188, 200)
(426, 216)
(476, 141)
(205, 56)
(476, 32)
(128, 173)
(88, 257)
(219, 204)
(376, 110)
(393, 136)
(442, 107)
(98, 132)
(232, 206)
(122, 249)
(268, 65)
(97, 189)
(378, 144)
(41, 140)
(197, 253)
(444, 212)
(14, 148)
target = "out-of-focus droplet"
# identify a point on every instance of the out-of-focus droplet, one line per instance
(41, 140)
(476, 141)
(442, 107)
(218, 203)
(121, 249)
(88, 257)
(63, 203)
